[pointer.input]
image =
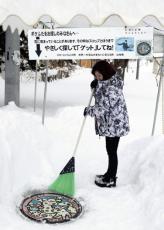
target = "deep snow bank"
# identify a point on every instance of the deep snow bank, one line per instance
(32, 155)
(26, 158)
(142, 167)
(25, 146)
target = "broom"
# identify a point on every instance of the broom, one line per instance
(65, 183)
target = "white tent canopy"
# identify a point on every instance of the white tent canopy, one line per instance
(23, 14)
(131, 12)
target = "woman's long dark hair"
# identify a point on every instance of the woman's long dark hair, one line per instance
(105, 68)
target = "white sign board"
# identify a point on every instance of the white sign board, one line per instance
(91, 43)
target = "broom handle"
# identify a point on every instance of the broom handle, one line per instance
(82, 126)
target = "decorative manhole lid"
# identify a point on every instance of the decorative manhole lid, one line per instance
(50, 208)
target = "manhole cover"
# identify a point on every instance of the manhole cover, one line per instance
(50, 208)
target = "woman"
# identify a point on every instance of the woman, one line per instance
(111, 116)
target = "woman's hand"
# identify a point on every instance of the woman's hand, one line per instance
(85, 112)
(94, 84)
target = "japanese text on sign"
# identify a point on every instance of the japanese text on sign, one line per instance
(90, 43)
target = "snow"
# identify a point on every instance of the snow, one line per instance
(32, 155)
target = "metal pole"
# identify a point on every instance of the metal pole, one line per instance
(45, 94)
(138, 67)
(162, 76)
(156, 105)
(35, 89)
(161, 85)
(12, 72)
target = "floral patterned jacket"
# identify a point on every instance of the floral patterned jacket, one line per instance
(110, 111)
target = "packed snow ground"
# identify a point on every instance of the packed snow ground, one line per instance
(32, 155)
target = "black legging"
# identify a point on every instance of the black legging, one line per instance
(111, 147)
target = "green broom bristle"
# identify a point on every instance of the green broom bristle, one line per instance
(65, 184)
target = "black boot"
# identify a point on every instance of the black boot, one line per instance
(101, 176)
(104, 182)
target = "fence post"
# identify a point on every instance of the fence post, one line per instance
(12, 72)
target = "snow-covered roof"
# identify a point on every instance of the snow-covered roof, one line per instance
(96, 11)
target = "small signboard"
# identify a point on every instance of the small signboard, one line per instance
(91, 43)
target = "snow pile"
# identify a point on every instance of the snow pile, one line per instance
(142, 168)
(32, 155)
(25, 145)
(30, 158)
